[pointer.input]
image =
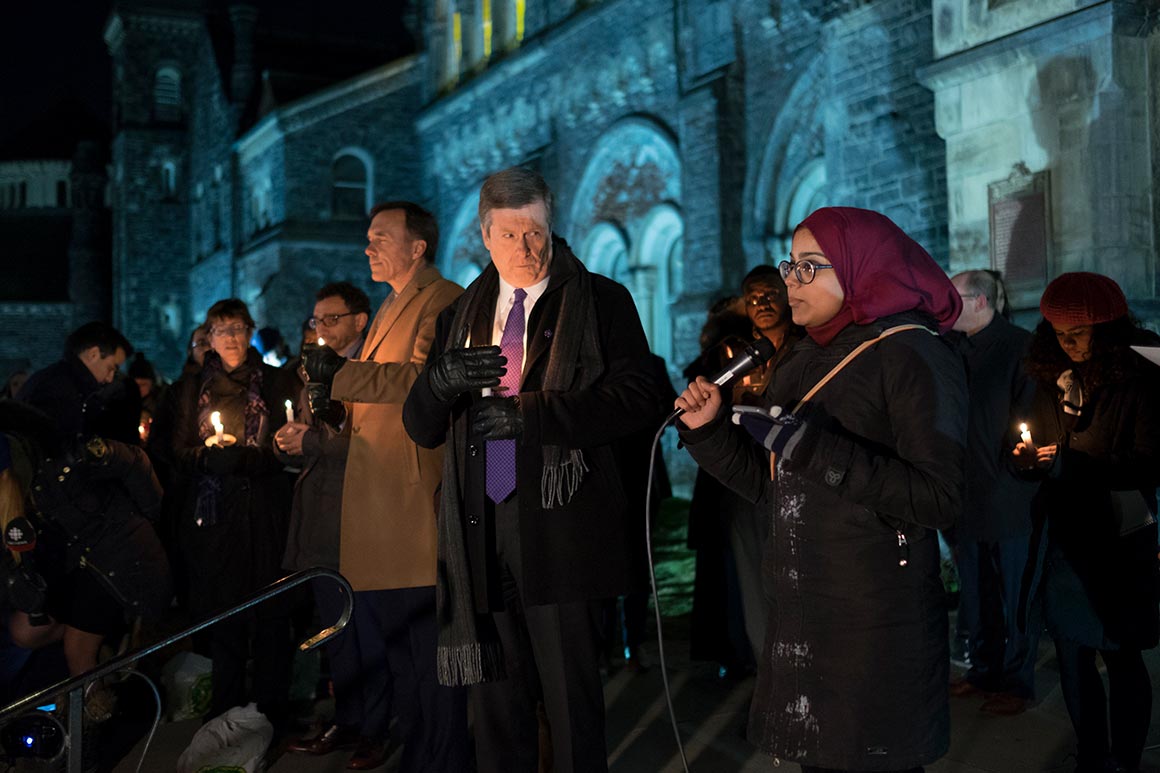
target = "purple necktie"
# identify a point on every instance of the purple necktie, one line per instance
(501, 454)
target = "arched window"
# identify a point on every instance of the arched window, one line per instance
(350, 180)
(169, 179)
(167, 94)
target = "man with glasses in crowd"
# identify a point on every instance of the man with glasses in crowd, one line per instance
(387, 535)
(992, 535)
(318, 443)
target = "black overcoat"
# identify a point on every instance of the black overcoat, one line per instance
(242, 549)
(584, 549)
(1101, 590)
(853, 674)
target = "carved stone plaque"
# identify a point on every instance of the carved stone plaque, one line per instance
(1019, 209)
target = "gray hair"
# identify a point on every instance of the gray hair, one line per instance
(988, 284)
(513, 188)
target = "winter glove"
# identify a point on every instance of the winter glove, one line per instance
(462, 370)
(778, 431)
(497, 418)
(321, 363)
(324, 409)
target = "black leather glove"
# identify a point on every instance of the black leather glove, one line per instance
(222, 460)
(332, 412)
(462, 370)
(321, 363)
(497, 418)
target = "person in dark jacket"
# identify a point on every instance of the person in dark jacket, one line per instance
(717, 626)
(1094, 539)
(84, 392)
(857, 470)
(233, 521)
(533, 526)
(91, 502)
(991, 537)
(318, 444)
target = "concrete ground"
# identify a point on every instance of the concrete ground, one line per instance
(711, 716)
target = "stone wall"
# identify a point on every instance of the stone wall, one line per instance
(1069, 99)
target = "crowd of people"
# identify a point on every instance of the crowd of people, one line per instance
(474, 462)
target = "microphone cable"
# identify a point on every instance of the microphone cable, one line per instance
(653, 450)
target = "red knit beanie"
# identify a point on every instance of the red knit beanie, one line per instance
(1082, 298)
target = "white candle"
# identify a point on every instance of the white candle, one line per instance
(1025, 434)
(289, 412)
(486, 391)
(215, 419)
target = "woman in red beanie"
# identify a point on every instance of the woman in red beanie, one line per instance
(855, 478)
(1093, 552)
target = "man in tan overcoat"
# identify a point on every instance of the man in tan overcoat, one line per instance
(388, 539)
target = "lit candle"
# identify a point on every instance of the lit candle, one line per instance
(215, 419)
(289, 412)
(486, 391)
(321, 341)
(1025, 435)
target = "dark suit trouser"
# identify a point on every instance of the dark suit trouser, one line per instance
(550, 652)
(1002, 656)
(233, 640)
(344, 654)
(397, 638)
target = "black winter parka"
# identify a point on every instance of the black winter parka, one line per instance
(855, 664)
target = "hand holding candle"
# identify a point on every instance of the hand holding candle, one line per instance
(220, 438)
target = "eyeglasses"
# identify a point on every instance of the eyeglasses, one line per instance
(327, 320)
(803, 270)
(233, 331)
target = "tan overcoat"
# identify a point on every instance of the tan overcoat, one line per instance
(388, 514)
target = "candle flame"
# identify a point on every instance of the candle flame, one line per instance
(215, 419)
(321, 341)
(289, 404)
(1023, 427)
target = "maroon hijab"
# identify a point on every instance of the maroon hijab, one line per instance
(881, 270)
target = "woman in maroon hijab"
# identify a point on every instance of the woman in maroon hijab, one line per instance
(857, 475)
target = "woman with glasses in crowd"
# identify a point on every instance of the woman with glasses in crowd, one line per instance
(856, 474)
(233, 519)
(1094, 527)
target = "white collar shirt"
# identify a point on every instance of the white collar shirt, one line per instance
(504, 302)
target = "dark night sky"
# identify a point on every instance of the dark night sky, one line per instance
(55, 71)
(52, 53)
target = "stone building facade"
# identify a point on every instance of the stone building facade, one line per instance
(684, 140)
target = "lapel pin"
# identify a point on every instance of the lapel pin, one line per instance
(548, 333)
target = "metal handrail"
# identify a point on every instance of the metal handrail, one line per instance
(75, 686)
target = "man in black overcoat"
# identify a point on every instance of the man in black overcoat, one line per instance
(533, 522)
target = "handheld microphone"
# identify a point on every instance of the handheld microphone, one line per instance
(754, 355)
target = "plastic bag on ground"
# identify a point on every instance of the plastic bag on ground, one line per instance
(188, 686)
(235, 741)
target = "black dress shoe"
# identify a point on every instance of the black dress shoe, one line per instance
(367, 756)
(333, 737)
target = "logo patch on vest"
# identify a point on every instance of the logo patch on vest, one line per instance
(834, 476)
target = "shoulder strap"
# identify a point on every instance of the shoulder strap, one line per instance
(850, 358)
(838, 368)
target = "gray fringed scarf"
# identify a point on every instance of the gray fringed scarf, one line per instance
(469, 651)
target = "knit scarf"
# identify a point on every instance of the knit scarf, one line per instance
(209, 487)
(469, 650)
